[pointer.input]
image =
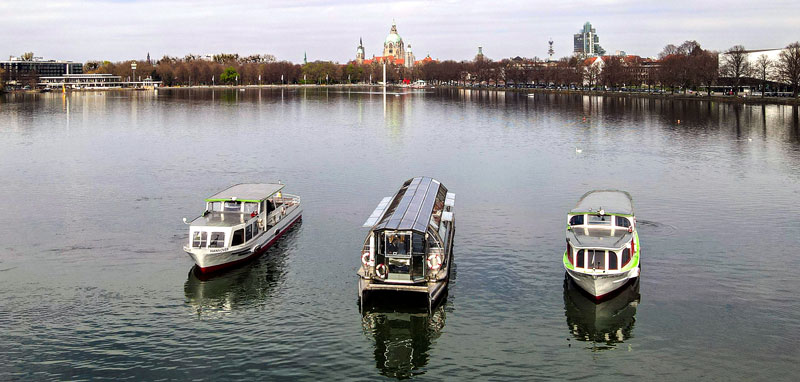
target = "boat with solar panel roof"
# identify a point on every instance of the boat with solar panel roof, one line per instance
(240, 223)
(409, 247)
(602, 242)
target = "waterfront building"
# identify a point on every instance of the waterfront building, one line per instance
(750, 82)
(587, 43)
(93, 81)
(19, 71)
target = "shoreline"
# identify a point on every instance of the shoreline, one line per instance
(665, 96)
(755, 100)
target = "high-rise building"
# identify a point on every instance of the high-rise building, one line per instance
(587, 43)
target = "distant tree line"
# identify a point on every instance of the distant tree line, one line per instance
(678, 68)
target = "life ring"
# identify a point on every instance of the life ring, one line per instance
(380, 271)
(434, 261)
(283, 211)
(365, 258)
(260, 223)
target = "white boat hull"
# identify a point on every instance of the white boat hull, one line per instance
(601, 284)
(208, 261)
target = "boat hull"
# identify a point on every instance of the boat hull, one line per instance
(601, 285)
(208, 262)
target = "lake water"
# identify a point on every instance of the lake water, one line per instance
(94, 283)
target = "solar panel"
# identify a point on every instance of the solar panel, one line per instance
(376, 215)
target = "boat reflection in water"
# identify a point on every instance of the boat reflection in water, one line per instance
(605, 323)
(403, 335)
(238, 288)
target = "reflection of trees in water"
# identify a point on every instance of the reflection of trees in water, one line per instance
(403, 337)
(242, 287)
(607, 322)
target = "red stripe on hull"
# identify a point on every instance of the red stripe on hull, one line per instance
(254, 254)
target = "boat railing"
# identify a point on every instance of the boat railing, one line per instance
(287, 199)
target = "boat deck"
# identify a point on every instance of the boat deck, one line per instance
(599, 237)
(221, 219)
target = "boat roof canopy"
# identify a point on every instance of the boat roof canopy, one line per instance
(246, 192)
(411, 208)
(611, 202)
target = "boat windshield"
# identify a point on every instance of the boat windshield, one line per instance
(203, 239)
(398, 244)
(231, 206)
(599, 219)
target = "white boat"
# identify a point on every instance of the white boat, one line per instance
(409, 247)
(239, 223)
(602, 242)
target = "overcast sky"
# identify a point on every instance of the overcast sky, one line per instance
(117, 30)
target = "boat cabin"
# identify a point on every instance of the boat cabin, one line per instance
(411, 233)
(601, 232)
(237, 215)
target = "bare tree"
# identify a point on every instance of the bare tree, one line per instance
(668, 50)
(613, 71)
(788, 68)
(763, 67)
(706, 69)
(735, 65)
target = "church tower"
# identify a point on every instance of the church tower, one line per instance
(409, 59)
(360, 52)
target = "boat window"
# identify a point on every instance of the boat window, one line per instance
(579, 258)
(576, 220)
(217, 240)
(248, 232)
(622, 221)
(397, 244)
(250, 207)
(199, 239)
(418, 243)
(612, 260)
(569, 254)
(600, 219)
(597, 259)
(233, 206)
(626, 256)
(238, 237)
(215, 206)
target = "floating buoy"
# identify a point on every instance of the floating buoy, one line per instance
(578, 151)
(679, 121)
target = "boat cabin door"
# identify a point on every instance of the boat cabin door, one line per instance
(404, 254)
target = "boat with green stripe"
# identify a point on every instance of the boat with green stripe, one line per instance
(602, 242)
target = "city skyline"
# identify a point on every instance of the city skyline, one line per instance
(445, 30)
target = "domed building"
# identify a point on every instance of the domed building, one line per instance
(394, 51)
(393, 45)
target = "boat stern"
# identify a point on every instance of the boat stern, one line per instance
(600, 285)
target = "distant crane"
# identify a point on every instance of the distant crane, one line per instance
(550, 51)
